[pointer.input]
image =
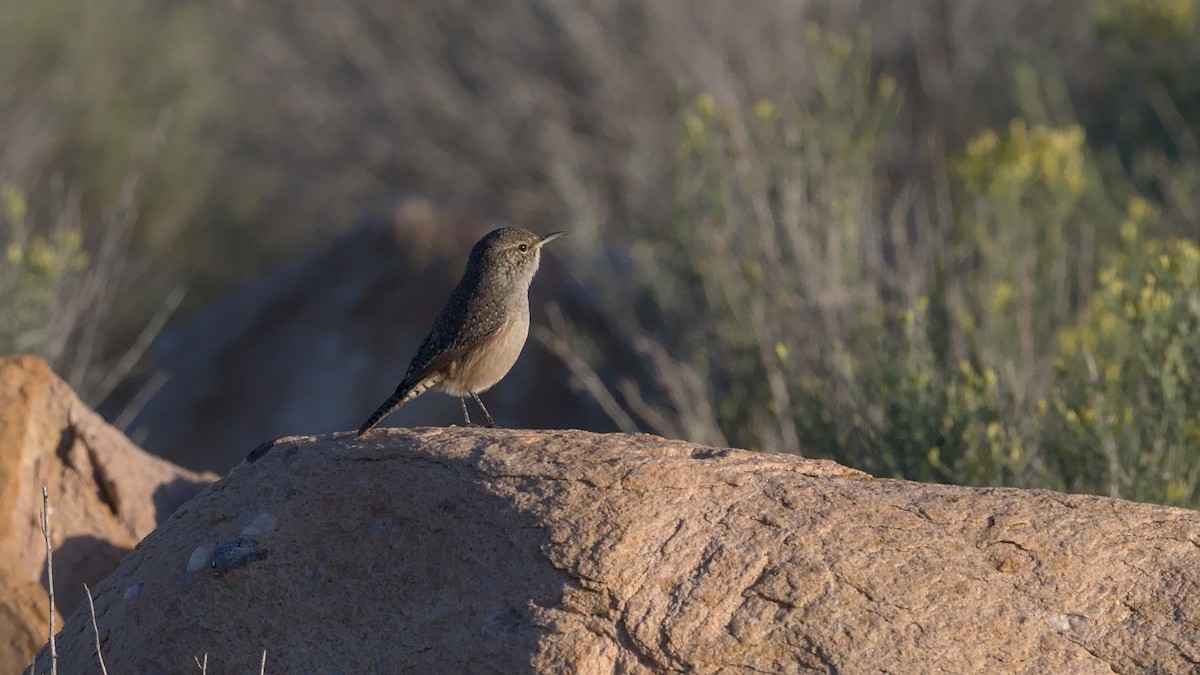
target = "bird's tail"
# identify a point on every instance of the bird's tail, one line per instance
(404, 393)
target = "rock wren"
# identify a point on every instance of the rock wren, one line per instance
(480, 331)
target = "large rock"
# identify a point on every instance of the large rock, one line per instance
(105, 495)
(316, 346)
(455, 550)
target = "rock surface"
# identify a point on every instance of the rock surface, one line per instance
(316, 346)
(454, 550)
(105, 495)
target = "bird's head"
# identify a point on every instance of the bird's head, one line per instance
(511, 251)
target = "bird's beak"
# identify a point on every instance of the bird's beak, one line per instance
(550, 237)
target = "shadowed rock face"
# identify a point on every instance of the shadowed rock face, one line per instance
(316, 346)
(451, 550)
(105, 495)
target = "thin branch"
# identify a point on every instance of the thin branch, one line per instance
(660, 422)
(777, 380)
(125, 418)
(49, 575)
(1111, 452)
(557, 341)
(126, 363)
(685, 391)
(95, 630)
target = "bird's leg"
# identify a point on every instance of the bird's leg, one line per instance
(486, 416)
(462, 401)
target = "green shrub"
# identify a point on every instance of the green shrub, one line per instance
(1145, 99)
(1142, 22)
(771, 235)
(915, 417)
(933, 376)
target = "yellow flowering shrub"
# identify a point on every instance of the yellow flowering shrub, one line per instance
(1008, 361)
(1126, 390)
(35, 274)
(1008, 164)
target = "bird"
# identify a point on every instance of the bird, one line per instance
(480, 331)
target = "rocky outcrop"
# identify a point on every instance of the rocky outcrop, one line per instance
(316, 346)
(454, 550)
(105, 495)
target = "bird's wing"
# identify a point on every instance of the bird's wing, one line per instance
(460, 326)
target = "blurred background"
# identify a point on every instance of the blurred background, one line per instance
(944, 240)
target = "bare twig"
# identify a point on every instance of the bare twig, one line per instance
(95, 630)
(1111, 452)
(776, 376)
(137, 401)
(686, 392)
(127, 361)
(49, 575)
(659, 420)
(557, 340)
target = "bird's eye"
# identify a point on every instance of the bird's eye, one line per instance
(523, 247)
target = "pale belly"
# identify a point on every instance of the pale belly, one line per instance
(488, 363)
